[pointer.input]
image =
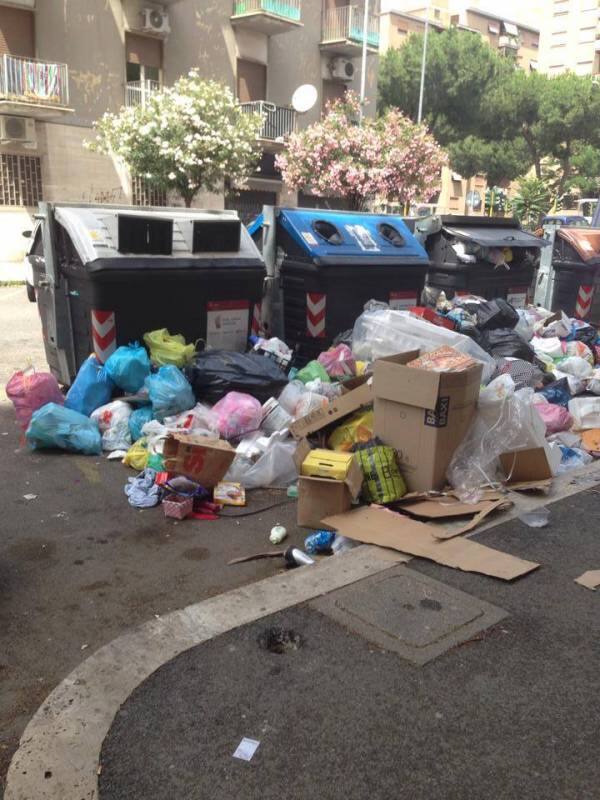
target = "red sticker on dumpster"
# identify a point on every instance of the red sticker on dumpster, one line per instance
(227, 324)
(402, 301)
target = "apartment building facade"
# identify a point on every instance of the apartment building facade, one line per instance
(570, 37)
(63, 64)
(512, 39)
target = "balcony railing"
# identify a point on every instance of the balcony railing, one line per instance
(278, 121)
(137, 92)
(506, 42)
(33, 81)
(346, 23)
(289, 9)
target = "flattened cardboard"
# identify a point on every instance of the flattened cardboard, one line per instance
(444, 507)
(589, 579)
(496, 505)
(526, 465)
(203, 460)
(319, 498)
(384, 528)
(351, 400)
(423, 415)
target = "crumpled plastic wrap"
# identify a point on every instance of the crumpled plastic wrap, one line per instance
(387, 332)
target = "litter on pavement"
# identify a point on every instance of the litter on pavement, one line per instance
(408, 434)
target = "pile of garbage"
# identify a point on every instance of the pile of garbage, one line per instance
(468, 393)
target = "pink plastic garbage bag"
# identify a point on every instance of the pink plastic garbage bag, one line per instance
(556, 418)
(29, 391)
(237, 414)
(338, 362)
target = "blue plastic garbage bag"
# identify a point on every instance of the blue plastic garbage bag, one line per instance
(169, 392)
(557, 392)
(91, 388)
(128, 367)
(56, 426)
(142, 491)
(137, 420)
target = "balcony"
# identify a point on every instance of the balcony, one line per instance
(267, 16)
(37, 89)
(343, 31)
(510, 43)
(278, 121)
(137, 92)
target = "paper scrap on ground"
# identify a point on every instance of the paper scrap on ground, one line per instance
(589, 579)
(29, 496)
(498, 505)
(246, 749)
(384, 528)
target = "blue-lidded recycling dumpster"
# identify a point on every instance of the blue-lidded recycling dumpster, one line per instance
(333, 262)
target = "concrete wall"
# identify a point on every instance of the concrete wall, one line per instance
(568, 40)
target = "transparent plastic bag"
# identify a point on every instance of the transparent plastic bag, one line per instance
(113, 422)
(505, 421)
(290, 396)
(384, 333)
(56, 426)
(29, 390)
(200, 420)
(91, 388)
(275, 467)
(338, 362)
(128, 367)
(576, 366)
(169, 392)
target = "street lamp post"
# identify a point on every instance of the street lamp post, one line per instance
(423, 61)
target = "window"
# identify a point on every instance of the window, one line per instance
(436, 13)
(143, 57)
(251, 81)
(20, 180)
(146, 194)
(16, 32)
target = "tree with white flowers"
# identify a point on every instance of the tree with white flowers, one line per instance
(188, 137)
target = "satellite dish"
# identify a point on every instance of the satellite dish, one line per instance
(304, 98)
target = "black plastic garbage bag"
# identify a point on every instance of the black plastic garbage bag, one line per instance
(496, 314)
(213, 373)
(506, 343)
(586, 334)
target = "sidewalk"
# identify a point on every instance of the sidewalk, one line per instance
(506, 714)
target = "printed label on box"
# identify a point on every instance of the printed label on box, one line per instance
(227, 324)
(402, 301)
(438, 417)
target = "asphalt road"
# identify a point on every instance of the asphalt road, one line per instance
(510, 713)
(78, 565)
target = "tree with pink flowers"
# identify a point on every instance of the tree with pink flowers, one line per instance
(390, 158)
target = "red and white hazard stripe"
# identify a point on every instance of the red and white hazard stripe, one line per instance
(256, 328)
(583, 304)
(104, 334)
(315, 315)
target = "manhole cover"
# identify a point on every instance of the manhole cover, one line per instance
(409, 613)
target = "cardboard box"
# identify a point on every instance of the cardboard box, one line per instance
(327, 464)
(424, 415)
(318, 497)
(357, 392)
(431, 316)
(203, 460)
(524, 466)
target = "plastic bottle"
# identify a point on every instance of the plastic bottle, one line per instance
(278, 534)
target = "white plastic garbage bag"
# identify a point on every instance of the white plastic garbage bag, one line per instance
(385, 333)
(551, 347)
(577, 366)
(275, 468)
(199, 420)
(593, 382)
(113, 422)
(585, 412)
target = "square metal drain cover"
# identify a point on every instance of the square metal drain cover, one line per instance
(408, 613)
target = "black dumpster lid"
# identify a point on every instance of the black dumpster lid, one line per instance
(495, 236)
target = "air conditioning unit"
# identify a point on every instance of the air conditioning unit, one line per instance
(155, 21)
(342, 69)
(18, 129)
